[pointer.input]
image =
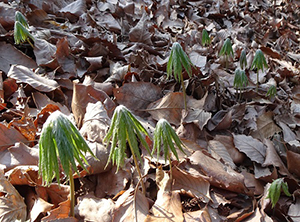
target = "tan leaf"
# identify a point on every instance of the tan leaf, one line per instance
(166, 208)
(169, 107)
(12, 206)
(19, 154)
(266, 126)
(8, 137)
(202, 164)
(25, 75)
(198, 186)
(131, 207)
(61, 212)
(40, 206)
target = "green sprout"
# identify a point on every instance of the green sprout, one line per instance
(275, 190)
(125, 128)
(227, 51)
(240, 80)
(205, 38)
(59, 137)
(243, 59)
(259, 62)
(177, 59)
(164, 133)
(272, 91)
(21, 33)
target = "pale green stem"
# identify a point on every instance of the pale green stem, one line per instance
(184, 92)
(257, 79)
(72, 193)
(171, 172)
(138, 170)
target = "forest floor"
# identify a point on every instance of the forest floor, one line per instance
(88, 57)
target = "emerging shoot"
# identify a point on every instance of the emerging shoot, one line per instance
(21, 33)
(125, 128)
(59, 137)
(275, 190)
(205, 38)
(259, 63)
(227, 51)
(177, 59)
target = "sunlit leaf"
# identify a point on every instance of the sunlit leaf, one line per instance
(275, 189)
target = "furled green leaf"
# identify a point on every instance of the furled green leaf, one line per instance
(124, 128)
(165, 133)
(259, 61)
(60, 138)
(205, 38)
(226, 49)
(275, 190)
(243, 59)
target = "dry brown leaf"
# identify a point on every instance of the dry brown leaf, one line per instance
(9, 136)
(221, 120)
(234, 153)
(253, 148)
(75, 7)
(219, 152)
(137, 95)
(12, 206)
(83, 95)
(166, 208)
(169, 107)
(273, 159)
(19, 154)
(293, 160)
(40, 206)
(266, 127)
(198, 186)
(10, 55)
(92, 208)
(24, 175)
(294, 212)
(140, 33)
(131, 206)
(61, 212)
(57, 194)
(43, 51)
(202, 164)
(25, 75)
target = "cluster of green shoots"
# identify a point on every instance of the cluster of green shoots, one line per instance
(21, 33)
(60, 140)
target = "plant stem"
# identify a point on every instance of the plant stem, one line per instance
(72, 193)
(171, 172)
(257, 81)
(138, 170)
(183, 91)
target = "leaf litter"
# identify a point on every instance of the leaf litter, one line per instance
(91, 56)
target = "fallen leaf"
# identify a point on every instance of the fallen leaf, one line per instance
(198, 186)
(140, 33)
(10, 55)
(215, 172)
(17, 155)
(169, 107)
(166, 208)
(293, 160)
(137, 95)
(61, 212)
(12, 206)
(294, 212)
(253, 148)
(25, 75)
(9, 136)
(131, 206)
(40, 206)
(43, 51)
